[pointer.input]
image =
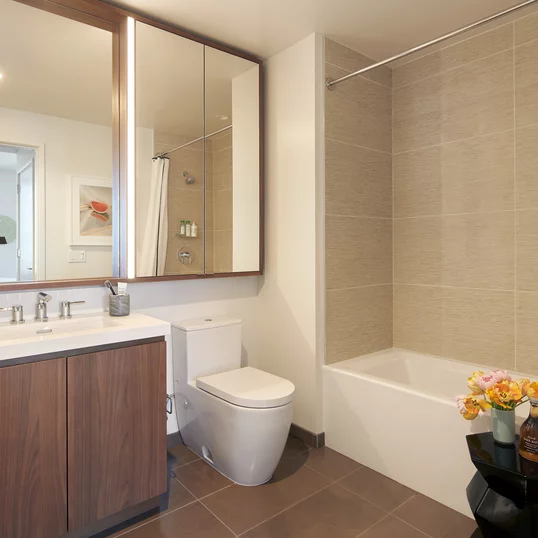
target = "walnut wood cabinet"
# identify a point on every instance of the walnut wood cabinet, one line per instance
(82, 440)
(33, 464)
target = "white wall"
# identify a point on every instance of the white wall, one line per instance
(8, 208)
(289, 333)
(246, 170)
(71, 148)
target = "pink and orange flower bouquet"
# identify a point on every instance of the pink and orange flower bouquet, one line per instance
(496, 390)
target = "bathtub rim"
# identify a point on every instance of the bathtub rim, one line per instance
(407, 388)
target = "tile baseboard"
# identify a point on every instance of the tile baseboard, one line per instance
(316, 440)
(173, 439)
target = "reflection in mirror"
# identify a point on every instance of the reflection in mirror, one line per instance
(169, 118)
(232, 163)
(55, 147)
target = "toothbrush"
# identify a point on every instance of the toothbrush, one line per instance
(108, 284)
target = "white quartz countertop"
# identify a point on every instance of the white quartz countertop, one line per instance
(80, 331)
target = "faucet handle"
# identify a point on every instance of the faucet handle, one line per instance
(43, 297)
(17, 313)
(65, 308)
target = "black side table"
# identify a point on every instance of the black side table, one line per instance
(503, 494)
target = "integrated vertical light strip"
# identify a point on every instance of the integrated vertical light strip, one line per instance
(131, 150)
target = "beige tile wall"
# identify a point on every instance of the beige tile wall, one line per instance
(358, 207)
(465, 175)
(219, 208)
(185, 202)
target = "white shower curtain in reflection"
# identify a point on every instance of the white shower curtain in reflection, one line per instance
(152, 258)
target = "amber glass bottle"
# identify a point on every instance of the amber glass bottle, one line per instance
(528, 442)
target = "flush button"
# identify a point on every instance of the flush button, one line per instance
(208, 319)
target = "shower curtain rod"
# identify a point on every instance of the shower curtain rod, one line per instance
(193, 141)
(331, 83)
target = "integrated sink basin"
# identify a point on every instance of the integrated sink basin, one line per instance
(81, 331)
(56, 328)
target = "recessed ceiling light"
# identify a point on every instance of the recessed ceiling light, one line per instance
(222, 117)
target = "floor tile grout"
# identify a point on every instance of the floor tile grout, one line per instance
(160, 516)
(285, 509)
(200, 501)
(217, 517)
(370, 502)
(409, 524)
(334, 482)
(405, 502)
(216, 491)
(372, 526)
(185, 464)
(385, 514)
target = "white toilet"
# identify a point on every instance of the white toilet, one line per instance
(237, 419)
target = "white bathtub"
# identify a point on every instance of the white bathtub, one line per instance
(394, 411)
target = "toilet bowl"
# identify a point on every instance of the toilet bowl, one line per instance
(237, 419)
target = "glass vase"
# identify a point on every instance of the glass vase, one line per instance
(504, 425)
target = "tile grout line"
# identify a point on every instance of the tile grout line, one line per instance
(148, 521)
(409, 524)
(467, 288)
(440, 73)
(359, 146)
(393, 209)
(463, 41)
(514, 139)
(360, 287)
(185, 464)
(301, 500)
(372, 526)
(356, 216)
(392, 514)
(200, 501)
(442, 215)
(216, 491)
(360, 76)
(218, 518)
(422, 148)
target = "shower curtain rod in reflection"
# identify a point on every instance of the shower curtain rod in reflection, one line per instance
(194, 141)
(332, 83)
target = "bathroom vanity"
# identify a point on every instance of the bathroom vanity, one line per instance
(83, 443)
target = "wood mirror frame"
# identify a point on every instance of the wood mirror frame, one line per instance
(113, 19)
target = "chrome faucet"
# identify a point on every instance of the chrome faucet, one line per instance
(41, 306)
(17, 314)
(65, 308)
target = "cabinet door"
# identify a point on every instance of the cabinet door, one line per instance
(116, 408)
(33, 481)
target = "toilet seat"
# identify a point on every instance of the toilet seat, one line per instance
(248, 387)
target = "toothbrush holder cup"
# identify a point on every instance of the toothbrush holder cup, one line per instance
(119, 305)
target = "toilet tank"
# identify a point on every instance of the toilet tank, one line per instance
(206, 346)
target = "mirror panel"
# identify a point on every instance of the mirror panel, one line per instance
(170, 121)
(232, 163)
(56, 147)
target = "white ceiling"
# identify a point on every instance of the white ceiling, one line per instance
(377, 28)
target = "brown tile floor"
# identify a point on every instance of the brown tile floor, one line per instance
(315, 493)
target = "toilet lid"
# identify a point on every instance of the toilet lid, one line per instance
(248, 387)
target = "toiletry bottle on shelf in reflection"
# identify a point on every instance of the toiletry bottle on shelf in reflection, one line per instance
(188, 229)
(194, 230)
(528, 442)
(182, 228)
